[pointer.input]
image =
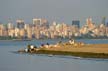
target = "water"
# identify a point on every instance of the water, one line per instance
(10, 61)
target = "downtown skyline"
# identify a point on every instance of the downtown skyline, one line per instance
(41, 28)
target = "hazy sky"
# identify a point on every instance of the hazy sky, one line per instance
(53, 10)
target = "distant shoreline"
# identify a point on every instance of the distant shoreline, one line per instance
(15, 40)
(51, 39)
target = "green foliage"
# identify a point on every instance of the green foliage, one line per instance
(7, 38)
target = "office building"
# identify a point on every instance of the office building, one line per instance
(29, 32)
(76, 23)
(90, 24)
(22, 33)
(104, 20)
(37, 22)
(10, 26)
(107, 24)
(20, 24)
(44, 23)
(1, 29)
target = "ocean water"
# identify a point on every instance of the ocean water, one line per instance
(10, 61)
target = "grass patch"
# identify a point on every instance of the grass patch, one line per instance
(78, 54)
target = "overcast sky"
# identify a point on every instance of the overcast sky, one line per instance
(53, 10)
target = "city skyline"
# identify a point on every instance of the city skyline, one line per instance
(53, 10)
(40, 28)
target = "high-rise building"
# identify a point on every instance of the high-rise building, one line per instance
(1, 29)
(44, 23)
(104, 20)
(90, 24)
(12, 33)
(76, 23)
(37, 22)
(37, 32)
(17, 32)
(20, 24)
(5, 30)
(107, 24)
(22, 33)
(10, 26)
(29, 32)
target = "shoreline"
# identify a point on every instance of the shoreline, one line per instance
(86, 51)
(44, 39)
(76, 54)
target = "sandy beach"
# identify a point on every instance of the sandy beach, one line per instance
(93, 48)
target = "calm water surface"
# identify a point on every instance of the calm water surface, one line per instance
(10, 61)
